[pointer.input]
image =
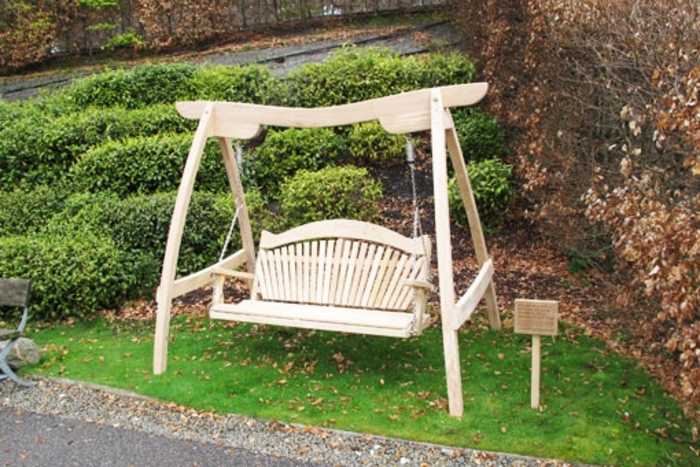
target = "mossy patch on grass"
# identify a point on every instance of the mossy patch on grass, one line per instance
(598, 407)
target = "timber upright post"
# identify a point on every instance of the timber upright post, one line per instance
(444, 255)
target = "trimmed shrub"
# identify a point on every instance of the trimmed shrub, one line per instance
(8, 113)
(72, 276)
(334, 192)
(491, 184)
(23, 212)
(352, 75)
(145, 165)
(38, 149)
(146, 85)
(355, 74)
(133, 88)
(479, 135)
(283, 153)
(443, 69)
(370, 143)
(250, 83)
(139, 225)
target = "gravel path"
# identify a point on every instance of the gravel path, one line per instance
(259, 439)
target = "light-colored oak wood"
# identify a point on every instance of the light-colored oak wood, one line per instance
(343, 228)
(204, 277)
(540, 317)
(535, 374)
(330, 266)
(234, 179)
(444, 255)
(401, 113)
(477, 233)
(467, 304)
(316, 317)
(339, 274)
(172, 248)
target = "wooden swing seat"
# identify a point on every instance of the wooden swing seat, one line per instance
(337, 275)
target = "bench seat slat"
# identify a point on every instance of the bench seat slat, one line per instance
(296, 315)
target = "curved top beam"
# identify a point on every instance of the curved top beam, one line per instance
(344, 228)
(400, 113)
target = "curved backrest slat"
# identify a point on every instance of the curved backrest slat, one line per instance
(401, 113)
(342, 263)
(346, 229)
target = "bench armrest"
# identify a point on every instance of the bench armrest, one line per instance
(231, 273)
(417, 283)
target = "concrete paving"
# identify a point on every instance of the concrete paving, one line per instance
(30, 439)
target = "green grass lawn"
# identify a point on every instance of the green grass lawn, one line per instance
(598, 406)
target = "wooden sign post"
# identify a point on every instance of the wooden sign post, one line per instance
(537, 318)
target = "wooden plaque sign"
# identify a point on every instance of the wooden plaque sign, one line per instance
(536, 317)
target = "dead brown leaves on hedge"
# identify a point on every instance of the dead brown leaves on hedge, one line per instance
(602, 100)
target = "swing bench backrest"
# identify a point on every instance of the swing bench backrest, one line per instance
(342, 263)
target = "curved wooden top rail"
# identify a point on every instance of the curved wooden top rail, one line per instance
(400, 113)
(345, 228)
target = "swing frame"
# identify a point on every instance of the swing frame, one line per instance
(425, 109)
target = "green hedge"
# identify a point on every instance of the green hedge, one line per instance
(145, 165)
(137, 87)
(72, 276)
(355, 74)
(146, 85)
(479, 135)
(443, 69)
(39, 149)
(139, 224)
(371, 144)
(24, 212)
(283, 153)
(493, 191)
(334, 192)
(250, 83)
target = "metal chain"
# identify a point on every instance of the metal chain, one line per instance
(411, 160)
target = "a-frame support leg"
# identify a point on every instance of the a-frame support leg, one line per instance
(477, 233)
(444, 256)
(172, 248)
(234, 180)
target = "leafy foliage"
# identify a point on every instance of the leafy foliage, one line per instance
(480, 136)
(603, 100)
(145, 165)
(370, 143)
(138, 87)
(37, 148)
(250, 83)
(491, 184)
(126, 40)
(283, 153)
(139, 225)
(24, 212)
(334, 192)
(443, 69)
(352, 75)
(27, 34)
(72, 276)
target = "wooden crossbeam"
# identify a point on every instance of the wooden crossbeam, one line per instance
(401, 113)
